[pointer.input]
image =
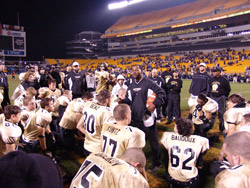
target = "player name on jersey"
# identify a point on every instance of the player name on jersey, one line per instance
(94, 106)
(110, 160)
(182, 138)
(113, 130)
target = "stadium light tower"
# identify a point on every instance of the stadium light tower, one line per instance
(123, 4)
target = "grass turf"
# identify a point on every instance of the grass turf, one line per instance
(71, 163)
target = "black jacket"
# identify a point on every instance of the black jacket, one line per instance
(159, 81)
(174, 85)
(219, 86)
(200, 84)
(4, 84)
(76, 82)
(137, 95)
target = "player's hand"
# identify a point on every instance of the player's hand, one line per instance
(21, 145)
(198, 107)
(151, 108)
(118, 100)
(47, 153)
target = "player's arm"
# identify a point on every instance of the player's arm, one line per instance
(137, 138)
(78, 116)
(231, 128)
(41, 136)
(80, 126)
(10, 147)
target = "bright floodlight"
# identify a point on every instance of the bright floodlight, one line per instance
(123, 4)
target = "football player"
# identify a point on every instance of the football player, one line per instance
(236, 150)
(236, 109)
(36, 126)
(10, 132)
(100, 170)
(53, 93)
(28, 108)
(103, 77)
(201, 114)
(245, 123)
(50, 92)
(28, 82)
(62, 103)
(118, 137)
(184, 150)
(30, 91)
(71, 117)
(95, 115)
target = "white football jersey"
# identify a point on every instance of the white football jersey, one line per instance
(234, 116)
(237, 176)
(116, 139)
(100, 170)
(211, 106)
(95, 116)
(183, 154)
(9, 134)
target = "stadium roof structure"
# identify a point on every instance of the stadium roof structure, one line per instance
(90, 33)
(200, 11)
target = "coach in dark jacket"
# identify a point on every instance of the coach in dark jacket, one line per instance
(201, 82)
(137, 95)
(76, 81)
(219, 91)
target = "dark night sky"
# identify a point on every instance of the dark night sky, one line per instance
(50, 23)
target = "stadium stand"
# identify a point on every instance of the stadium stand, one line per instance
(51, 61)
(231, 62)
(193, 11)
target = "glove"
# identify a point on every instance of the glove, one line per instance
(198, 107)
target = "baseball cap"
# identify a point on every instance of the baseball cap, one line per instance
(203, 64)
(120, 77)
(20, 169)
(75, 64)
(1, 62)
(215, 69)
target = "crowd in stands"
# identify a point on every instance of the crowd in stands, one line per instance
(187, 63)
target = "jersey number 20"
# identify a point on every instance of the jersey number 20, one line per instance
(89, 123)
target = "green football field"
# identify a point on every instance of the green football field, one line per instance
(71, 162)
